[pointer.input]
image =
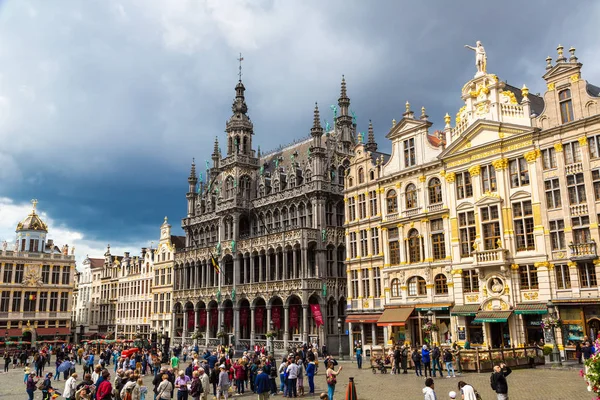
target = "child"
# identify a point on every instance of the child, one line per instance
(143, 389)
(452, 394)
(26, 373)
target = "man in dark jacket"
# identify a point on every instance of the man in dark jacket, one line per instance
(404, 359)
(498, 380)
(435, 360)
(262, 385)
(397, 358)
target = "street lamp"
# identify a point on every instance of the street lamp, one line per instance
(555, 352)
(430, 319)
(339, 323)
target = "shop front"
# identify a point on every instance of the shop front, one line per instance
(439, 314)
(394, 324)
(580, 320)
(496, 326)
(467, 330)
(363, 329)
(532, 315)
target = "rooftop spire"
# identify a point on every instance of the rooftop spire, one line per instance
(317, 118)
(240, 73)
(192, 177)
(216, 147)
(371, 145)
(343, 101)
(343, 92)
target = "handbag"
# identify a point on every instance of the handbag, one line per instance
(331, 379)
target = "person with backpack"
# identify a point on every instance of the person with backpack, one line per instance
(468, 391)
(416, 359)
(31, 386)
(426, 360)
(46, 386)
(498, 380)
(435, 360)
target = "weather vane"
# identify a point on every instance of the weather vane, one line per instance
(240, 60)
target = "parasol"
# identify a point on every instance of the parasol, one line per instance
(65, 366)
(351, 390)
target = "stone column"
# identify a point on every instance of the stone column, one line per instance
(172, 333)
(251, 274)
(268, 307)
(220, 317)
(236, 324)
(268, 265)
(295, 264)
(252, 332)
(277, 277)
(285, 264)
(304, 262)
(185, 326)
(207, 327)
(260, 268)
(196, 319)
(305, 323)
(373, 335)
(286, 324)
(363, 336)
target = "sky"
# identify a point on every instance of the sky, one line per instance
(104, 103)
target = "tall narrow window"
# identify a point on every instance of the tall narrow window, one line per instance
(467, 232)
(464, 187)
(373, 203)
(552, 188)
(557, 234)
(5, 301)
(563, 279)
(55, 275)
(528, 277)
(596, 183)
(66, 275)
(470, 281)
(377, 282)
(19, 271)
(441, 284)
(394, 246)
(64, 301)
(594, 145)
(46, 274)
(581, 229)
(587, 275)
(435, 191)
(43, 304)
(566, 106)
(351, 209)
(410, 157)
(394, 287)
(488, 178)
(8, 272)
(572, 152)
(353, 249)
(438, 244)
(361, 176)
(519, 172)
(365, 283)
(490, 224)
(414, 246)
(354, 279)
(375, 241)
(417, 286)
(549, 158)
(16, 303)
(411, 196)
(364, 243)
(362, 206)
(523, 217)
(392, 202)
(576, 189)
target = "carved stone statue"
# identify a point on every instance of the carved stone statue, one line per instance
(324, 235)
(480, 57)
(207, 167)
(497, 286)
(4, 245)
(335, 110)
(232, 246)
(219, 248)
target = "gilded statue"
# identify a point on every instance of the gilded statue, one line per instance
(480, 57)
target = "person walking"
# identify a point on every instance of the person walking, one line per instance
(397, 358)
(358, 352)
(416, 358)
(292, 377)
(47, 386)
(429, 390)
(31, 386)
(224, 383)
(498, 380)
(262, 385)
(467, 391)
(310, 375)
(331, 377)
(70, 385)
(435, 360)
(205, 381)
(426, 360)
(448, 362)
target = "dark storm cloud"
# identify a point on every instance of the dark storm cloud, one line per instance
(103, 104)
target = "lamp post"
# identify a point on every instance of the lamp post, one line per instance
(339, 324)
(555, 352)
(430, 320)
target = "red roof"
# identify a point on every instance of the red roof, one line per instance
(435, 139)
(96, 262)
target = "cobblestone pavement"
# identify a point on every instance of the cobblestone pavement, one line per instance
(524, 384)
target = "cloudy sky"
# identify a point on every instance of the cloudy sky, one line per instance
(103, 103)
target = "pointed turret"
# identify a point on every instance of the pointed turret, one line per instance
(191, 194)
(344, 120)
(317, 130)
(193, 178)
(371, 145)
(239, 127)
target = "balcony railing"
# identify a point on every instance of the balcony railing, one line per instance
(490, 256)
(579, 209)
(436, 207)
(574, 168)
(583, 251)
(411, 212)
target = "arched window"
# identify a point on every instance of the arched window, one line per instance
(269, 221)
(293, 216)
(350, 181)
(372, 175)
(566, 105)
(395, 287)
(435, 191)
(361, 176)
(284, 217)
(276, 186)
(441, 284)
(416, 286)
(414, 246)
(411, 196)
(341, 174)
(229, 188)
(276, 220)
(392, 202)
(307, 175)
(245, 187)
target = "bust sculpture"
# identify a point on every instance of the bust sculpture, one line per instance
(497, 286)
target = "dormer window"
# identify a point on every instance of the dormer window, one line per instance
(361, 175)
(410, 158)
(566, 106)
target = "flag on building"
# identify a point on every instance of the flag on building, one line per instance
(215, 263)
(32, 297)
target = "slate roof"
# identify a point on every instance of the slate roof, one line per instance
(536, 102)
(178, 241)
(593, 90)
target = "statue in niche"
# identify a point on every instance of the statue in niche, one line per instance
(497, 285)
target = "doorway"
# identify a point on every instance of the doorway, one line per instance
(499, 334)
(593, 327)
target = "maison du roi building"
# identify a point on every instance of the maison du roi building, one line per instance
(481, 223)
(36, 286)
(274, 224)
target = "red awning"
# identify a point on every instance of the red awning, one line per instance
(11, 332)
(53, 331)
(363, 318)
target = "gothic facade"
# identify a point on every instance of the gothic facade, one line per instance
(274, 224)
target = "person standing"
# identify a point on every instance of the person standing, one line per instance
(429, 390)
(404, 359)
(435, 360)
(165, 389)
(292, 377)
(448, 362)
(70, 385)
(104, 390)
(397, 358)
(47, 386)
(416, 359)
(426, 360)
(310, 374)
(31, 386)
(498, 380)
(467, 391)
(331, 376)
(205, 381)
(181, 384)
(359, 351)
(175, 364)
(262, 385)
(223, 384)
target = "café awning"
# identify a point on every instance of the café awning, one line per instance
(492, 316)
(523, 308)
(468, 310)
(433, 307)
(395, 316)
(363, 318)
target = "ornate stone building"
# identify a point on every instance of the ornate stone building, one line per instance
(274, 223)
(36, 289)
(484, 222)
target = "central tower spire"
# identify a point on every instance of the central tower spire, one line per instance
(239, 126)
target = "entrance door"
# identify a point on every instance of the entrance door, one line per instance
(27, 336)
(500, 335)
(593, 327)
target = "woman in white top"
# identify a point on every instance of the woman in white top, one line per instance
(467, 391)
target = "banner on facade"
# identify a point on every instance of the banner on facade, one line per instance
(316, 313)
(214, 317)
(191, 320)
(244, 316)
(276, 317)
(202, 319)
(293, 316)
(228, 317)
(259, 315)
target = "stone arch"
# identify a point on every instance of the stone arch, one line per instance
(227, 263)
